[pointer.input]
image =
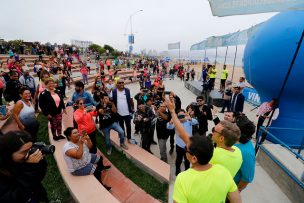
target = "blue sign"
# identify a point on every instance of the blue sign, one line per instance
(131, 39)
(252, 96)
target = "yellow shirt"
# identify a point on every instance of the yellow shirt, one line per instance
(213, 73)
(224, 74)
(232, 161)
(212, 185)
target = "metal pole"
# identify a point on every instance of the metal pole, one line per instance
(226, 55)
(215, 56)
(179, 54)
(234, 63)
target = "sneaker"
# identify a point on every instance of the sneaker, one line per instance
(106, 167)
(132, 141)
(56, 138)
(61, 137)
(107, 187)
(153, 142)
(124, 146)
(109, 151)
(136, 133)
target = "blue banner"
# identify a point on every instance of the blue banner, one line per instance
(252, 96)
(131, 39)
(241, 7)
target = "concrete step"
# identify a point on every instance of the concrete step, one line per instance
(293, 167)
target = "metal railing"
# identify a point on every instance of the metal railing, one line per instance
(263, 133)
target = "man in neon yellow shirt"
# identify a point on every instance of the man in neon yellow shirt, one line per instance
(203, 182)
(225, 135)
(212, 74)
(224, 77)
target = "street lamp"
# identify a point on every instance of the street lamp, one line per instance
(131, 36)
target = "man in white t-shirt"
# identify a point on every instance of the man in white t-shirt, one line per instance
(241, 83)
(125, 107)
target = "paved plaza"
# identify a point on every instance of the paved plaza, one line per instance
(263, 188)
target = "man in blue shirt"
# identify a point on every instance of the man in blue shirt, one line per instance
(80, 93)
(246, 173)
(187, 122)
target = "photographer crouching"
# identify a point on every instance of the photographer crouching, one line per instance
(22, 168)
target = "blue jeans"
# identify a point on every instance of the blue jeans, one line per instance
(89, 168)
(106, 132)
(85, 79)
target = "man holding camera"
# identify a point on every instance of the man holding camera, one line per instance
(163, 117)
(108, 121)
(143, 118)
(202, 113)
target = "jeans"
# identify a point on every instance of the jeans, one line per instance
(180, 155)
(89, 168)
(162, 143)
(85, 79)
(106, 132)
(127, 121)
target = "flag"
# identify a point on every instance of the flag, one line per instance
(174, 45)
(240, 7)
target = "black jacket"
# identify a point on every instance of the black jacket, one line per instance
(23, 183)
(238, 104)
(47, 103)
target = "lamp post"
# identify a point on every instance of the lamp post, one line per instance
(131, 36)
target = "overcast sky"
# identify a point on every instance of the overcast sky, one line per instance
(107, 22)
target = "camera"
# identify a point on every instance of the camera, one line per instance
(45, 149)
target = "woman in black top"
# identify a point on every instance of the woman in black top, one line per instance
(52, 106)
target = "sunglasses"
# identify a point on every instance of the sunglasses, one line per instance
(121, 83)
(214, 131)
(187, 150)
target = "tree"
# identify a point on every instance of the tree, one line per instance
(108, 47)
(97, 48)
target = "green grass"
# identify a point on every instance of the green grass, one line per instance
(57, 191)
(52, 182)
(142, 179)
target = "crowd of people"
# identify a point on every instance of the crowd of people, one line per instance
(217, 166)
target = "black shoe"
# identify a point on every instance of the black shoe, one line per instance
(60, 137)
(56, 138)
(107, 187)
(153, 142)
(106, 167)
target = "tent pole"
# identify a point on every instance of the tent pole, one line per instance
(236, 47)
